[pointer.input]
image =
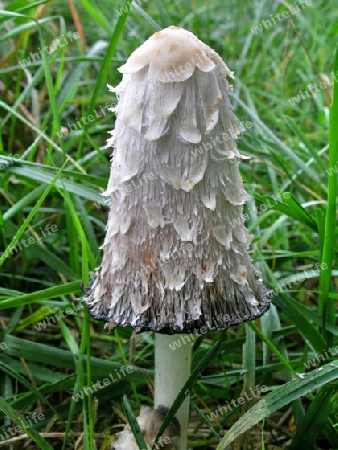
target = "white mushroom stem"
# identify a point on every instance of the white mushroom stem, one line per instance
(172, 369)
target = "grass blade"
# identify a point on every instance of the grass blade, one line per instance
(280, 397)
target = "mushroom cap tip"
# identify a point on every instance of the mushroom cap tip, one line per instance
(172, 51)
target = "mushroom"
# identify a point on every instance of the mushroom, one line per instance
(175, 255)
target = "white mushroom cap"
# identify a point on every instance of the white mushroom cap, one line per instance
(175, 255)
(173, 51)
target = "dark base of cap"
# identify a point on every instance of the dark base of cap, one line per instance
(217, 312)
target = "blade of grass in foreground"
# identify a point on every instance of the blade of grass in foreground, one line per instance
(39, 296)
(133, 423)
(330, 219)
(314, 424)
(280, 397)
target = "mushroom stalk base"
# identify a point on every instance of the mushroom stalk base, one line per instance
(172, 369)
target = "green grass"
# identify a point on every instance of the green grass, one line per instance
(52, 173)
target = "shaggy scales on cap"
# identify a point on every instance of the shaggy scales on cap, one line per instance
(175, 254)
